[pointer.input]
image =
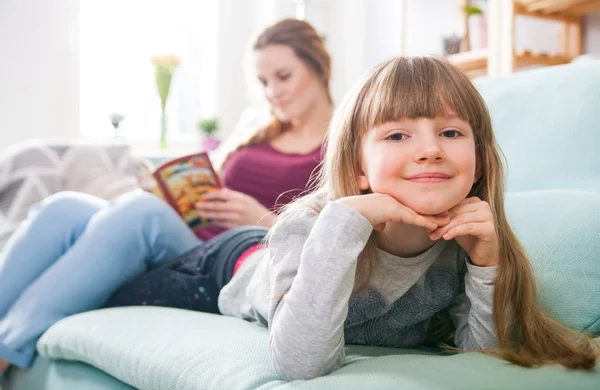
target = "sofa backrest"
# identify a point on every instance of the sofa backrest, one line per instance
(547, 122)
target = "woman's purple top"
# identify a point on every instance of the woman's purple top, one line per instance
(271, 177)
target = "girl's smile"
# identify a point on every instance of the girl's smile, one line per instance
(429, 177)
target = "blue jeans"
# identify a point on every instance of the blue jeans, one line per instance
(194, 280)
(72, 253)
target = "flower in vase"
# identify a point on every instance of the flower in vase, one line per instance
(165, 66)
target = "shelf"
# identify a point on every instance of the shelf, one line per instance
(502, 58)
(527, 58)
(474, 63)
(560, 10)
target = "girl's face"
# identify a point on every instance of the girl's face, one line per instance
(290, 86)
(428, 165)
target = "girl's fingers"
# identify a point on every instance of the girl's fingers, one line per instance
(477, 229)
(461, 219)
(429, 222)
(439, 220)
(419, 220)
(463, 209)
(472, 199)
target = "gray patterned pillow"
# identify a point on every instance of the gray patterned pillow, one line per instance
(33, 170)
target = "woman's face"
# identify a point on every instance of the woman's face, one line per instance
(290, 86)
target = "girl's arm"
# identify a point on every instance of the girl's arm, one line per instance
(472, 309)
(311, 276)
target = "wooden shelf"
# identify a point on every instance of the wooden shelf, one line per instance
(560, 10)
(527, 58)
(474, 63)
(501, 56)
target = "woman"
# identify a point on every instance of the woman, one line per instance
(70, 236)
(274, 164)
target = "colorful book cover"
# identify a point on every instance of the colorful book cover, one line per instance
(181, 183)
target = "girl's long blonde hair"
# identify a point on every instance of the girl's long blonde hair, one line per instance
(427, 87)
(308, 47)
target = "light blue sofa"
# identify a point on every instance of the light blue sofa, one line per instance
(548, 124)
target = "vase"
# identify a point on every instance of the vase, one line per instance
(451, 44)
(163, 130)
(209, 144)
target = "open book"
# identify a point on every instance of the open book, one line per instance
(181, 183)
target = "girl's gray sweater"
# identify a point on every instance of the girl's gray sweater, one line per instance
(300, 287)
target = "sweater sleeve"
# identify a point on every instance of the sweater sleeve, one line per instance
(312, 265)
(472, 309)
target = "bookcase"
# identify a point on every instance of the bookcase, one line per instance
(500, 57)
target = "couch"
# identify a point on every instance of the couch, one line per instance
(548, 123)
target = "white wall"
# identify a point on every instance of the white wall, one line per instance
(39, 93)
(426, 22)
(234, 31)
(360, 35)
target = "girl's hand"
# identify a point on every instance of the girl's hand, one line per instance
(228, 209)
(381, 208)
(472, 225)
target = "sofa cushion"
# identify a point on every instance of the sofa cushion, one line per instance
(104, 170)
(547, 122)
(560, 230)
(33, 170)
(161, 348)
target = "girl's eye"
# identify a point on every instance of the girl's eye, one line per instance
(284, 77)
(397, 137)
(451, 133)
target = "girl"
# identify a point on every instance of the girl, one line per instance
(70, 233)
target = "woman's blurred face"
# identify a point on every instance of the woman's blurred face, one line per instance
(290, 85)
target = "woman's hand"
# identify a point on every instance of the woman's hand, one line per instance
(381, 208)
(228, 209)
(472, 225)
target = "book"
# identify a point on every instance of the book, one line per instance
(181, 182)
